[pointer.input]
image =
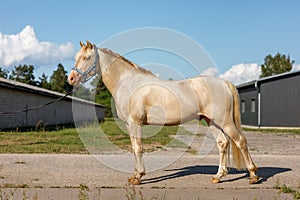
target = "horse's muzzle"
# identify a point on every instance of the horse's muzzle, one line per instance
(74, 78)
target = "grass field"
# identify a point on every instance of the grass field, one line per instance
(72, 140)
(274, 130)
(62, 141)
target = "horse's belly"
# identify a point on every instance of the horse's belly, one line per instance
(155, 120)
(161, 115)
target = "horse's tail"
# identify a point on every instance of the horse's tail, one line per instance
(236, 152)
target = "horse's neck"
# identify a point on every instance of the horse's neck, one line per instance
(112, 69)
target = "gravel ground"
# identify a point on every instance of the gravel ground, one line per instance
(61, 176)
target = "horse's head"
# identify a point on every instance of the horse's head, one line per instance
(86, 61)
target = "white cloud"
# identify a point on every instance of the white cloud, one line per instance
(237, 74)
(241, 73)
(296, 67)
(25, 48)
(212, 71)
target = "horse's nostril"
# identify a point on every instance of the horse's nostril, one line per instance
(72, 78)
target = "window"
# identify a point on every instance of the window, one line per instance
(252, 106)
(243, 106)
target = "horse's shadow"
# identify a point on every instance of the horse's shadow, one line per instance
(263, 172)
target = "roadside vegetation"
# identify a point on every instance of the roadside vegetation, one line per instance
(287, 189)
(274, 130)
(67, 140)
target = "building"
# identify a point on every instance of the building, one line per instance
(271, 101)
(17, 97)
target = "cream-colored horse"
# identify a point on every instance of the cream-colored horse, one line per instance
(141, 98)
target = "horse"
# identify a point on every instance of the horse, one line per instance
(141, 98)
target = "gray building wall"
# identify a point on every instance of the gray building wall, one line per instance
(280, 102)
(247, 95)
(18, 96)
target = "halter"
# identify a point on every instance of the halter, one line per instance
(84, 75)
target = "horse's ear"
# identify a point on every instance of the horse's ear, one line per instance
(89, 45)
(81, 44)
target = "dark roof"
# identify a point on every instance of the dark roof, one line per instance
(41, 91)
(268, 79)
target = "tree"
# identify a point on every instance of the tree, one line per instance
(43, 83)
(24, 74)
(3, 73)
(82, 92)
(276, 65)
(102, 96)
(58, 80)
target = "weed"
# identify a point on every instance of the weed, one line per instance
(286, 189)
(10, 185)
(4, 196)
(83, 192)
(155, 187)
(131, 193)
(20, 162)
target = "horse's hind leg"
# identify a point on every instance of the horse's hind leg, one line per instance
(240, 143)
(222, 143)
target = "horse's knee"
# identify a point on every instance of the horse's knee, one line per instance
(242, 142)
(222, 143)
(137, 145)
(236, 136)
(138, 148)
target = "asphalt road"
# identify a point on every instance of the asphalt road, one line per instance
(61, 176)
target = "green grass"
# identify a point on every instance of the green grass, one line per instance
(286, 189)
(62, 141)
(72, 140)
(273, 130)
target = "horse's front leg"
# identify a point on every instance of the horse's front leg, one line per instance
(135, 132)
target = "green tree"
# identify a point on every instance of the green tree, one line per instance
(58, 80)
(24, 74)
(3, 73)
(102, 96)
(276, 65)
(82, 92)
(43, 82)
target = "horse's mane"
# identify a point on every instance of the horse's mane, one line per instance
(132, 64)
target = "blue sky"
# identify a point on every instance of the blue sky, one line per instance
(232, 32)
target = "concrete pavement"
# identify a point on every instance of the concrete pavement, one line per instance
(52, 176)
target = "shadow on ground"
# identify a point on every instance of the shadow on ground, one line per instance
(264, 172)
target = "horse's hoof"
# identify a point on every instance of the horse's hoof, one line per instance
(134, 181)
(215, 180)
(253, 180)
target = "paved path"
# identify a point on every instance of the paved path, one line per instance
(52, 176)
